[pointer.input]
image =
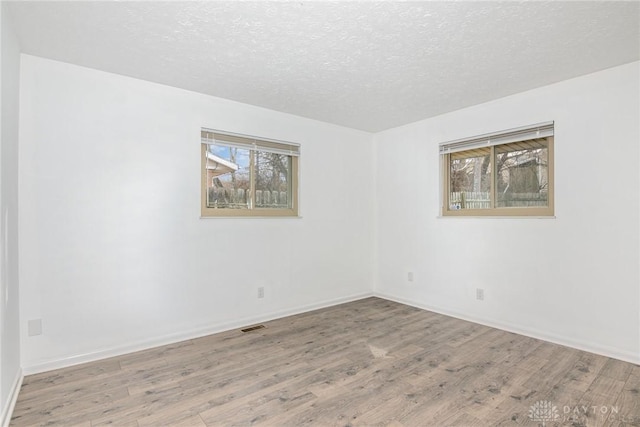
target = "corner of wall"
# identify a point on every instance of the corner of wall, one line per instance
(10, 370)
(374, 219)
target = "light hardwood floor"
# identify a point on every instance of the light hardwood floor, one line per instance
(369, 362)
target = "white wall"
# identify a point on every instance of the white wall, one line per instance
(113, 254)
(10, 373)
(573, 279)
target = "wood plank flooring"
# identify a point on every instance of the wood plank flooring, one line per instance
(368, 362)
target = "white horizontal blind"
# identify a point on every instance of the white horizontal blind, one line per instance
(227, 139)
(537, 131)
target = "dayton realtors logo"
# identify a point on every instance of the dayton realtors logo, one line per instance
(544, 412)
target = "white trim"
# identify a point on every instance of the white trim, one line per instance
(49, 365)
(251, 217)
(212, 329)
(520, 330)
(495, 217)
(7, 410)
(226, 163)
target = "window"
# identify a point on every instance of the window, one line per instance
(247, 176)
(507, 173)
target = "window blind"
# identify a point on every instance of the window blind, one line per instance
(227, 139)
(526, 133)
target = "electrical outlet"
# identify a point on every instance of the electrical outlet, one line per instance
(410, 276)
(480, 294)
(261, 292)
(34, 327)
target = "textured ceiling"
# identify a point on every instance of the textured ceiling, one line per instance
(365, 65)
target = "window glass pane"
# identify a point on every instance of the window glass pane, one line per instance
(522, 174)
(273, 180)
(228, 177)
(470, 179)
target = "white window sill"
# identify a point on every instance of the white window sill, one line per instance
(250, 217)
(495, 217)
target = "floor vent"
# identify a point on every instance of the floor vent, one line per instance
(252, 328)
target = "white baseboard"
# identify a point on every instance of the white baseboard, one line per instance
(12, 398)
(222, 327)
(520, 330)
(131, 347)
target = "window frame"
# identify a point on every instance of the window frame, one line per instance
(251, 211)
(493, 211)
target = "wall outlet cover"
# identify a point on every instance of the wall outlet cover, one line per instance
(34, 327)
